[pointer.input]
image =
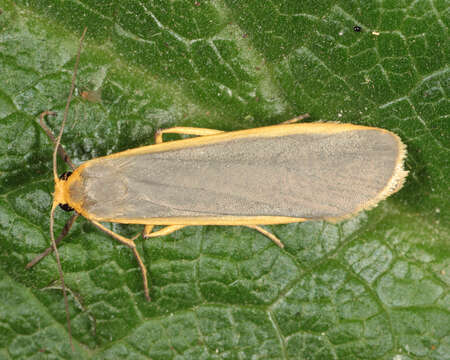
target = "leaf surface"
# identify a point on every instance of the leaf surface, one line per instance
(373, 287)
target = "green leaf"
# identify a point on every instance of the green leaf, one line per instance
(373, 287)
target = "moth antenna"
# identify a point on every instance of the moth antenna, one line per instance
(56, 179)
(66, 110)
(61, 276)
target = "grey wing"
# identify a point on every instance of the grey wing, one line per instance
(301, 175)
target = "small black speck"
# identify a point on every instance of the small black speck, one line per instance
(357, 28)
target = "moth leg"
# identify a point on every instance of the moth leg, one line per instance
(297, 118)
(132, 246)
(147, 233)
(61, 236)
(185, 131)
(61, 151)
(267, 234)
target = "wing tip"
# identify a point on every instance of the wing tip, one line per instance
(394, 184)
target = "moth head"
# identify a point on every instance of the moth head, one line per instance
(59, 195)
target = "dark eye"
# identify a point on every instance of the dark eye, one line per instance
(65, 175)
(65, 207)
